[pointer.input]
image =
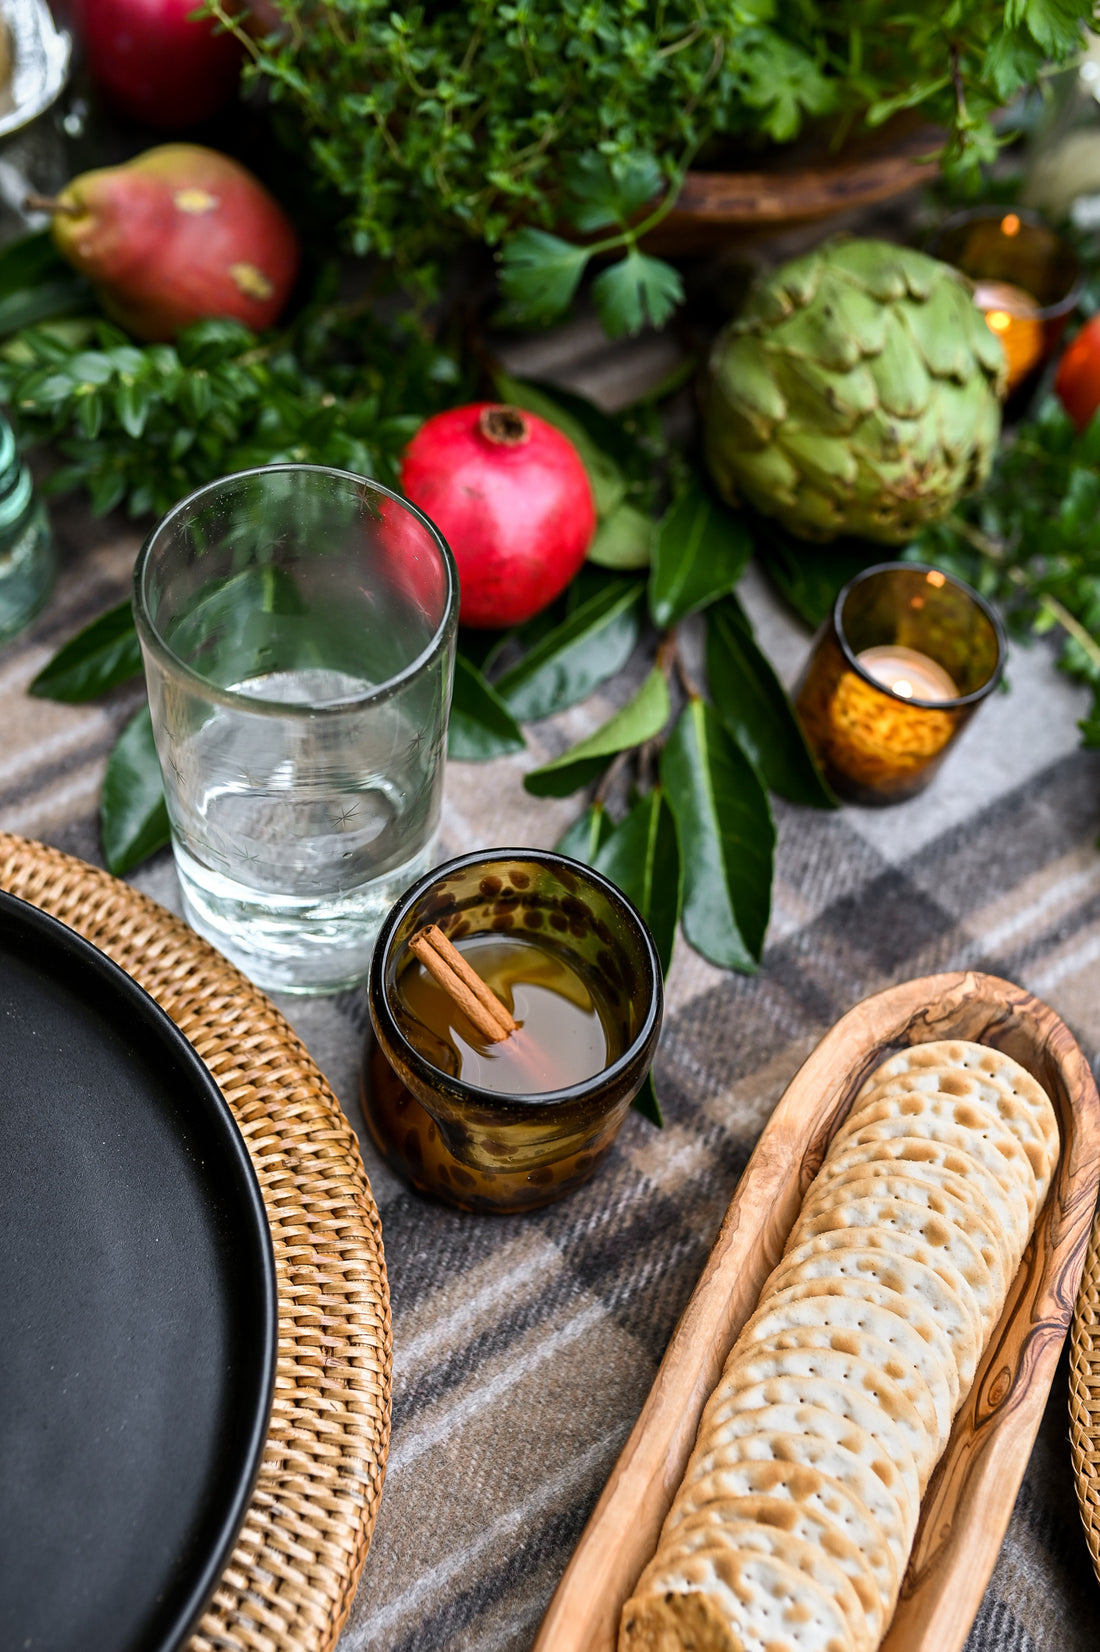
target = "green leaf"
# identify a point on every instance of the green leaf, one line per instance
(603, 192)
(808, 576)
(642, 857)
(539, 273)
(753, 704)
(702, 550)
(624, 540)
(605, 478)
(646, 1102)
(641, 719)
(133, 816)
(102, 655)
(587, 648)
(635, 291)
(727, 839)
(481, 725)
(584, 839)
(36, 284)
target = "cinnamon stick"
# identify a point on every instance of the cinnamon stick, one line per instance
(477, 1001)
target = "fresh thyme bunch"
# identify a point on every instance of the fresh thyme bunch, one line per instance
(506, 121)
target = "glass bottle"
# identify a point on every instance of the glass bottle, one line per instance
(27, 563)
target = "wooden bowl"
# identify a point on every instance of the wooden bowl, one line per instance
(970, 1497)
(799, 188)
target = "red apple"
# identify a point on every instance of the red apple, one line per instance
(155, 62)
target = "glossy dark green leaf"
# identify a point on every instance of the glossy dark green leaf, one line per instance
(701, 552)
(727, 839)
(586, 836)
(646, 1102)
(36, 284)
(100, 657)
(133, 816)
(624, 540)
(481, 725)
(753, 704)
(579, 654)
(641, 719)
(642, 857)
(808, 576)
(605, 478)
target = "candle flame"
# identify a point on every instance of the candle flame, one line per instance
(1010, 224)
(934, 577)
(999, 320)
(904, 687)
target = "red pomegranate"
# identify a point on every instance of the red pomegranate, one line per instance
(510, 495)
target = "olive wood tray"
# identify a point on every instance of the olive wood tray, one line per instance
(969, 1499)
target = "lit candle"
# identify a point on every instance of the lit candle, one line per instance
(908, 673)
(1015, 317)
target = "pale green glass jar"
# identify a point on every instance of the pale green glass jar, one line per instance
(27, 564)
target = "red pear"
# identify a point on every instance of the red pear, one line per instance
(177, 235)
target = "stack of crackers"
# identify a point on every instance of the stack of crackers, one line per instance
(793, 1525)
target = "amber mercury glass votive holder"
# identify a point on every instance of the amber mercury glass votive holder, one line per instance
(479, 1148)
(1027, 279)
(898, 669)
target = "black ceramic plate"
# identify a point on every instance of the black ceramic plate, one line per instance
(137, 1307)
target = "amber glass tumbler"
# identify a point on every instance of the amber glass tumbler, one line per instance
(877, 746)
(1027, 279)
(476, 1148)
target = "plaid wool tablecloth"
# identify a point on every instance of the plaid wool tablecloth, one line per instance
(524, 1347)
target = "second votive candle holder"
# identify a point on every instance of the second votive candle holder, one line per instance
(905, 659)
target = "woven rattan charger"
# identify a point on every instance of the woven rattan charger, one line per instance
(1084, 1396)
(290, 1582)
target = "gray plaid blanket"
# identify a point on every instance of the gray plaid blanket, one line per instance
(524, 1347)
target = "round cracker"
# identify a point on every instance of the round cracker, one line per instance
(969, 1195)
(848, 1314)
(866, 1289)
(869, 1565)
(812, 1556)
(958, 1093)
(991, 1245)
(885, 1216)
(982, 1061)
(994, 1148)
(802, 1483)
(700, 1599)
(925, 1153)
(855, 1422)
(790, 1357)
(885, 1256)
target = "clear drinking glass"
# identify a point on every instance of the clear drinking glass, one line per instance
(298, 627)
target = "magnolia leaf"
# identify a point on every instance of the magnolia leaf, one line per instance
(605, 478)
(102, 655)
(701, 552)
(646, 1102)
(624, 540)
(603, 192)
(133, 816)
(641, 719)
(579, 654)
(642, 856)
(808, 576)
(753, 704)
(481, 725)
(727, 839)
(539, 273)
(588, 833)
(635, 291)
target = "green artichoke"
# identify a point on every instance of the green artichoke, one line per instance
(857, 393)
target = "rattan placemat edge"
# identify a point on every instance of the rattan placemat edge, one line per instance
(292, 1577)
